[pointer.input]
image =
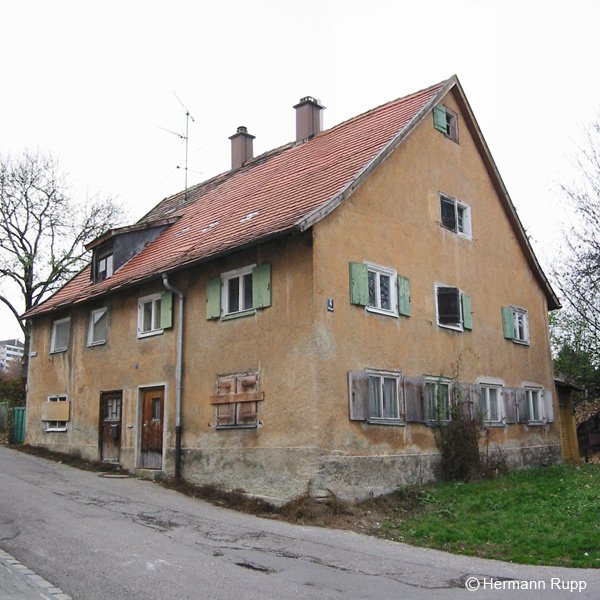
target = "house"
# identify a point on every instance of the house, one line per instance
(301, 321)
(11, 352)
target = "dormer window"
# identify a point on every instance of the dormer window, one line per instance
(104, 264)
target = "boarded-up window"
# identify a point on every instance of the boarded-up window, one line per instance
(236, 401)
(56, 413)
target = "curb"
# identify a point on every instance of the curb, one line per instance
(42, 588)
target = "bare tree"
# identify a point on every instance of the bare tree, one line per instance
(43, 231)
(577, 271)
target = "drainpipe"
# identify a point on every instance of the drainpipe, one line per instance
(170, 288)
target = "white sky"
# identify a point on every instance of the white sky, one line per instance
(93, 83)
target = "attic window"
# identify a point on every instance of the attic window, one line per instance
(446, 121)
(455, 215)
(104, 263)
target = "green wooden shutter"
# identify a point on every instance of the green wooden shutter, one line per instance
(261, 286)
(439, 119)
(403, 296)
(467, 312)
(166, 310)
(507, 322)
(213, 299)
(359, 284)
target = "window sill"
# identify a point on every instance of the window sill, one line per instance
(223, 427)
(437, 423)
(521, 342)
(393, 422)
(451, 327)
(237, 315)
(381, 311)
(93, 344)
(496, 424)
(58, 351)
(536, 423)
(55, 430)
(149, 333)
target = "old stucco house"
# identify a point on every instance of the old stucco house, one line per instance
(294, 324)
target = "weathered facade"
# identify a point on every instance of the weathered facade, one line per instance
(337, 293)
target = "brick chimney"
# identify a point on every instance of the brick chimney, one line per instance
(309, 118)
(241, 148)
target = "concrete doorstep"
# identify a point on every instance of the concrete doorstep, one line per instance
(17, 582)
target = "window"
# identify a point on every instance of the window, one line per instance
(446, 121)
(453, 308)
(382, 289)
(98, 327)
(455, 215)
(492, 408)
(515, 322)
(56, 413)
(535, 405)
(375, 397)
(437, 400)
(239, 293)
(60, 335)
(154, 314)
(379, 289)
(103, 263)
(236, 401)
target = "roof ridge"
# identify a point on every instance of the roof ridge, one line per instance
(274, 151)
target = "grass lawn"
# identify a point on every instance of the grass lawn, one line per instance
(545, 516)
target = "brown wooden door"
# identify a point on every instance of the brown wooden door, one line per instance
(153, 404)
(110, 426)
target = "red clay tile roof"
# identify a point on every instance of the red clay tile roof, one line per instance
(272, 194)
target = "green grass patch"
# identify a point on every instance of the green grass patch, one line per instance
(545, 516)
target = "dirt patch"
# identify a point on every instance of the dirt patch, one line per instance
(363, 517)
(73, 460)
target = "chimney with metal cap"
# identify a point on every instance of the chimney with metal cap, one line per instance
(309, 118)
(241, 148)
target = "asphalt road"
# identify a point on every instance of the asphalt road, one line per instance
(102, 538)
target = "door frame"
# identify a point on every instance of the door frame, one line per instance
(101, 422)
(140, 417)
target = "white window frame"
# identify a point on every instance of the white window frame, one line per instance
(105, 266)
(532, 393)
(464, 230)
(55, 325)
(485, 402)
(226, 278)
(379, 270)
(91, 328)
(155, 318)
(382, 375)
(458, 326)
(54, 426)
(520, 314)
(436, 382)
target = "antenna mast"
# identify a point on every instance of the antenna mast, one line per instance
(185, 137)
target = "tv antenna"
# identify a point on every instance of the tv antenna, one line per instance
(186, 138)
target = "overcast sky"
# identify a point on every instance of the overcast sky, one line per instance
(96, 83)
